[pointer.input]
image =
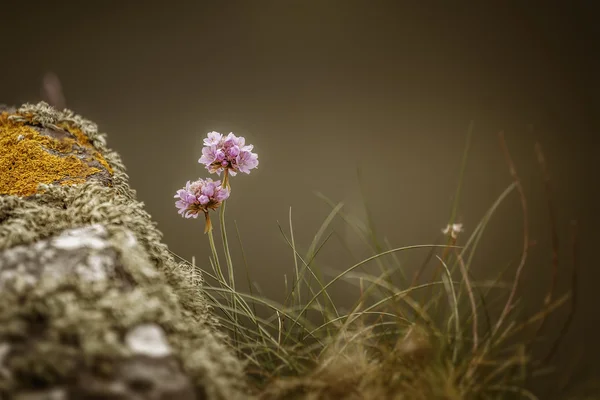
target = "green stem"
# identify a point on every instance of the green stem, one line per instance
(226, 246)
(211, 241)
(225, 183)
(228, 261)
(224, 231)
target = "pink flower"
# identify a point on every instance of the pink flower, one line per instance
(200, 196)
(213, 138)
(227, 152)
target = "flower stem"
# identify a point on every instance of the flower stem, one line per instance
(226, 178)
(208, 226)
(228, 258)
(226, 246)
(211, 241)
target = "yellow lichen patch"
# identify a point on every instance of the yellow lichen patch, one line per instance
(102, 161)
(28, 158)
(83, 140)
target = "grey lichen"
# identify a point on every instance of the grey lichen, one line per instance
(44, 115)
(148, 340)
(61, 316)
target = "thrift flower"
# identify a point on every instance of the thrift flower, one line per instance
(227, 153)
(453, 230)
(200, 196)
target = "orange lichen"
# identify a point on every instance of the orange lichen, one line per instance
(28, 158)
(83, 140)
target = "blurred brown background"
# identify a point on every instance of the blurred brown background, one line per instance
(323, 87)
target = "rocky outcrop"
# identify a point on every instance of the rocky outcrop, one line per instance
(92, 304)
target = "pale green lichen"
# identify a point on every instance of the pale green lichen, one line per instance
(80, 320)
(63, 325)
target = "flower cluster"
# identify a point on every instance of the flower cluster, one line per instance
(220, 153)
(200, 196)
(227, 153)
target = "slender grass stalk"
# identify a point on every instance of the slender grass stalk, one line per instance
(365, 261)
(453, 301)
(226, 247)
(461, 175)
(247, 270)
(313, 249)
(513, 172)
(477, 234)
(306, 267)
(364, 233)
(398, 264)
(553, 230)
(451, 240)
(296, 270)
(467, 281)
(574, 296)
(370, 223)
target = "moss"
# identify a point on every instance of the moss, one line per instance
(28, 157)
(93, 325)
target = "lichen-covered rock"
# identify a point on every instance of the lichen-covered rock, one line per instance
(53, 152)
(92, 304)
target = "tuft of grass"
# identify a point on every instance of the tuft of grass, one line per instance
(419, 340)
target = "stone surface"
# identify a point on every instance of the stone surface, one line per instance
(92, 303)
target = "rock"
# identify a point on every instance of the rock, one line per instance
(92, 303)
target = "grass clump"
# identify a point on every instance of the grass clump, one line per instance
(443, 335)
